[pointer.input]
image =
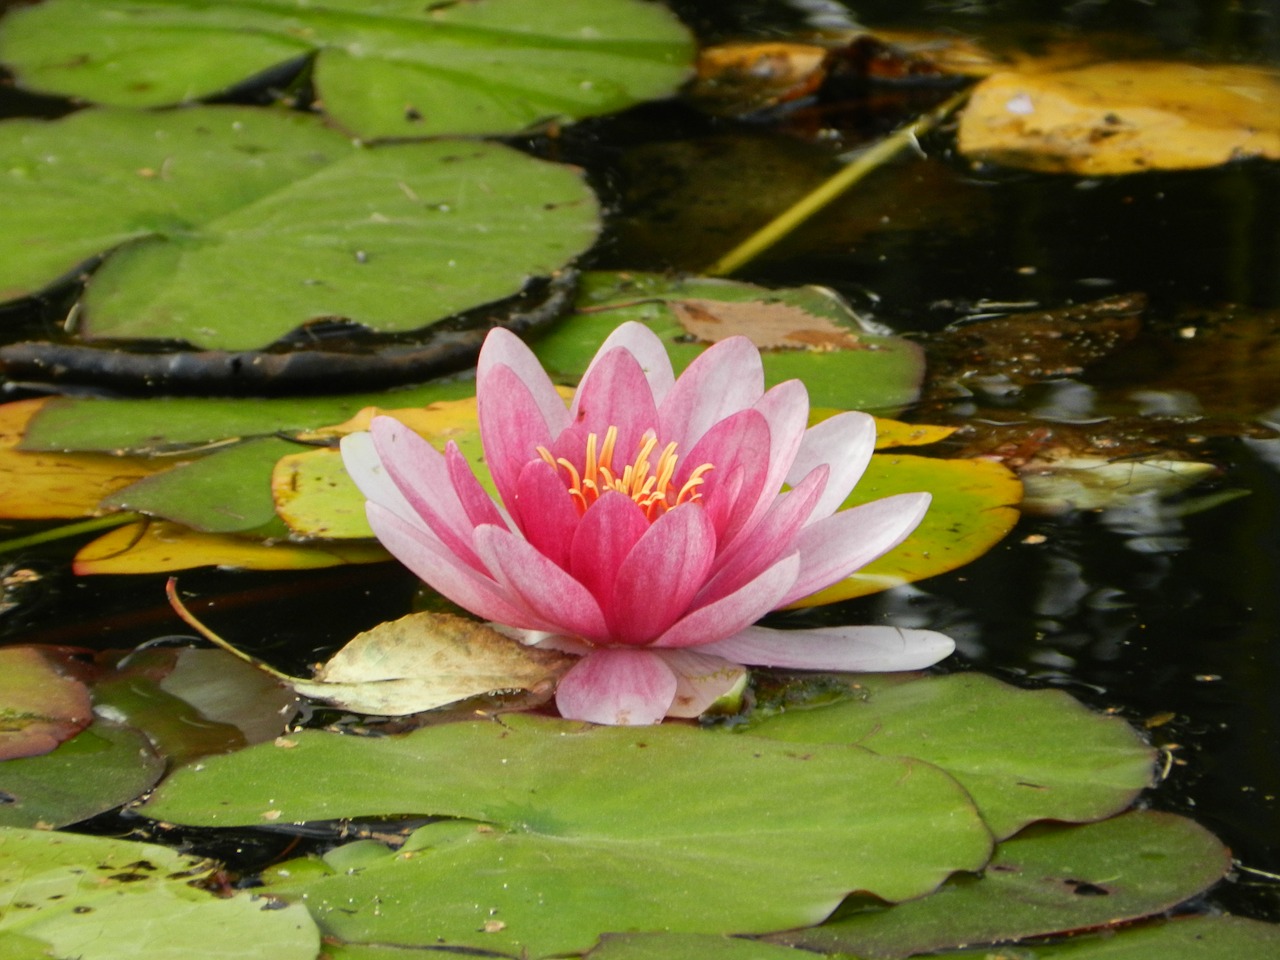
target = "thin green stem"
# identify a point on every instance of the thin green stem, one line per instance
(68, 530)
(875, 156)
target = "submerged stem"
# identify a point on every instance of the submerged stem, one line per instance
(68, 530)
(875, 156)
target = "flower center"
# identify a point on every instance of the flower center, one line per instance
(648, 484)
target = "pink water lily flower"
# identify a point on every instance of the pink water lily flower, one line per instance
(648, 526)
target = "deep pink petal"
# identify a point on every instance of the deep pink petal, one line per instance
(548, 591)
(862, 649)
(512, 427)
(475, 500)
(701, 680)
(604, 536)
(738, 450)
(845, 442)
(661, 575)
(544, 511)
(726, 378)
(503, 348)
(833, 548)
(785, 409)
(649, 351)
(738, 610)
(615, 393)
(420, 472)
(422, 552)
(622, 687)
(772, 538)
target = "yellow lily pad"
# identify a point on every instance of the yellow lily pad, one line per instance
(1124, 117)
(974, 507)
(158, 546)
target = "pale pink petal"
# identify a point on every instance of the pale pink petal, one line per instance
(701, 680)
(661, 575)
(649, 351)
(512, 427)
(475, 500)
(772, 538)
(421, 473)
(504, 348)
(785, 409)
(861, 649)
(738, 450)
(544, 639)
(833, 548)
(726, 378)
(845, 442)
(604, 536)
(554, 597)
(738, 610)
(621, 687)
(615, 393)
(422, 552)
(544, 511)
(364, 466)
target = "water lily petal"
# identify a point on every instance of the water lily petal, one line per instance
(364, 466)
(504, 348)
(604, 536)
(552, 594)
(785, 409)
(422, 475)
(834, 547)
(544, 511)
(724, 379)
(512, 427)
(860, 649)
(772, 538)
(623, 687)
(661, 575)
(734, 612)
(615, 393)
(649, 351)
(545, 639)
(422, 552)
(738, 450)
(701, 680)
(475, 500)
(845, 442)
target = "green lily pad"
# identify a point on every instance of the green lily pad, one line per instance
(1048, 879)
(604, 829)
(102, 899)
(228, 491)
(229, 227)
(402, 68)
(687, 946)
(164, 424)
(1023, 755)
(974, 506)
(40, 707)
(100, 768)
(879, 373)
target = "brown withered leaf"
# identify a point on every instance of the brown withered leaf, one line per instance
(770, 326)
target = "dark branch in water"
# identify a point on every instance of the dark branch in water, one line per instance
(264, 372)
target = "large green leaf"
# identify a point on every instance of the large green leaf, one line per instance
(101, 899)
(585, 829)
(880, 373)
(392, 68)
(1023, 755)
(1048, 879)
(229, 227)
(101, 767)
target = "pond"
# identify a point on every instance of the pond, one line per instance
(1160, 605)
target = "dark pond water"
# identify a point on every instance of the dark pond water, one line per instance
(1168, 615)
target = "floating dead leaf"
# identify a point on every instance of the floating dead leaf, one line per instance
(56, 486)
(735, 78)
(40, 707)
(416, 663)
(1123, 117)
(770, 326)
(158, 546)
(1082, 483)
(895, 433)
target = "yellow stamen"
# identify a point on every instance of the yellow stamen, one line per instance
(648, 484)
